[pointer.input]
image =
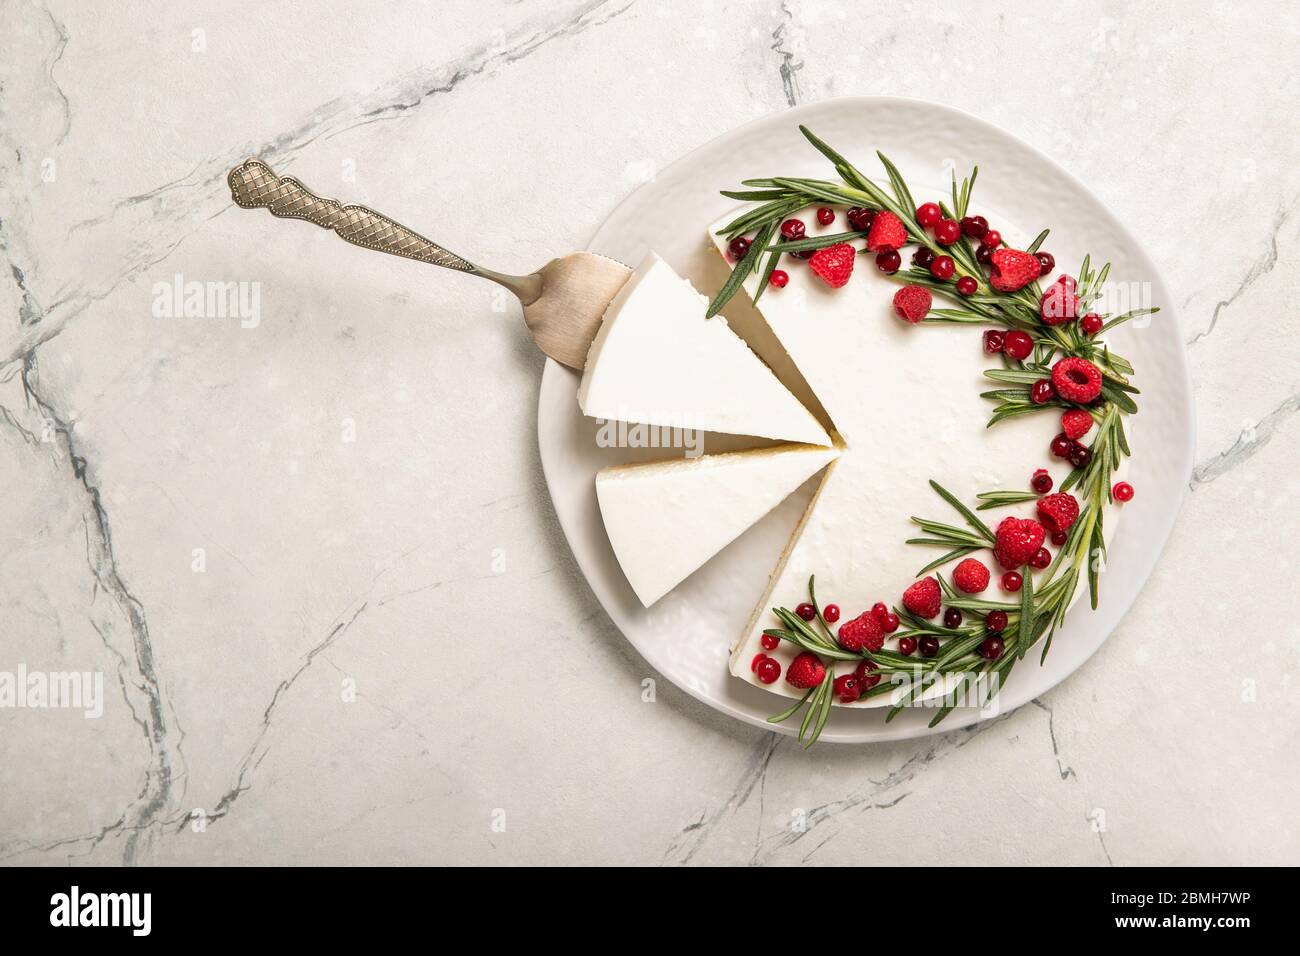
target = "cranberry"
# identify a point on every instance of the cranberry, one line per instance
(889, 623)
(806, 611)
(769, 670)
(947, 232)
(983, 255)
(1091, 323)
(860, 219)
(1041, 482)
(1123, 491)
(1061, 445)
(879, 610)
(888, 261)
(802, 253)
(1067, 283)
(758, 659)
(1046, 262)
(922, 257)
(846, 688)
(1019, 345)
(1058, 538)
(995, 622)
(991, 239)
(991, 648)
(779, 278)
(770, 641)
(942, 267)
(1041, 559)
(907, 646)
(738, 247)
(831, 612)
(967, 285)
(864, 675)
(1042, 392)
(825, 216)
(1080, 455)
(974, 226)
(1011, 581)
(792, 229)
(929, 645)
(928, 214)
(994, 342)
(951, 618)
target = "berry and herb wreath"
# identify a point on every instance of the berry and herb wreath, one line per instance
(1053, 360)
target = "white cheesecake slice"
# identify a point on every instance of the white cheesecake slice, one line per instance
(666, 518)
(658, 361)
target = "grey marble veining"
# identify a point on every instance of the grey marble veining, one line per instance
(310, 550)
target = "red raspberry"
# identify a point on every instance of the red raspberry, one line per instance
(834, 264)
(971, 576)
(923, 598)
(865, 630)
(912, 302)
(1057, 512)
(805, 671)
(1017, 541)
(1076, 380)
(1013, 269)
(1059, 304)
(1076, 423)
(887, 230)
(847, 688)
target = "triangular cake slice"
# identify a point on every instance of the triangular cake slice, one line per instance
(666, 518)
(658, 361)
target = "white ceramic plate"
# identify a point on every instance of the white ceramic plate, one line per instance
(687, 634)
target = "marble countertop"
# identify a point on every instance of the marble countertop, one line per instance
(288, 537)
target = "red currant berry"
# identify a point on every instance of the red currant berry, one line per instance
(974, 226)
(889, 623)
(947, 232)
(770, 641)
(942, 267)
(1080, 455)
(779, 278)
(831, 612)
(1041, 559)
(1011, 581)
(793, 229)
(1091, 323)
(806, 611)
(995, 622)
(1019, 345)
(929, 645)
(1042, 392)
(1041, 482)
(758, 659)
(928, 214)
(967, 285)
(738, 247)
(1123, 491)
(991, 648)
(992, 239)
(864, 675)
(888, 261)
(1058, 538)
(983, 255)
(769, 670)
(994, 341)
(951, 618)
(1046, 262)
(825, 216)
(846, 688)
(907, 646)
(860, 219)
(879, 610)
(1061, 445)
(922, 257)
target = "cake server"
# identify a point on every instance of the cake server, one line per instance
(563, 301)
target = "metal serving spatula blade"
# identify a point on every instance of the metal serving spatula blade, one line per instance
(563, 301)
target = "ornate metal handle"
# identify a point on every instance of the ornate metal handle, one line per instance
(253, 184)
